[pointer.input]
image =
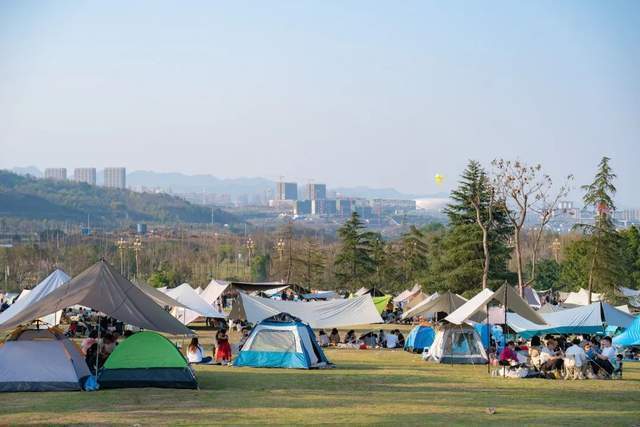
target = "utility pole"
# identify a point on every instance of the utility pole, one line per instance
(137, 247)
(122, 244)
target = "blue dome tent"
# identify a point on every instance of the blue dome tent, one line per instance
(282, 341)
(421, 336)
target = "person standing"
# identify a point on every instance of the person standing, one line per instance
(223, 352)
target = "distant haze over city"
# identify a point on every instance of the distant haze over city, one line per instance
(343, 93)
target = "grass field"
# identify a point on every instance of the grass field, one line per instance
(371, 386)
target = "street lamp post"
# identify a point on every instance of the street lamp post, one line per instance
(122, 244)
(251, 245)
(555, 246)
(137, 247)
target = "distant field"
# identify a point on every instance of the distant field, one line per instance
(372, 386)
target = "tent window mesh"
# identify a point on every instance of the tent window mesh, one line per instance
(274, 341)
(461, 344)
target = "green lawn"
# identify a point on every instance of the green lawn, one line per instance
(372, 386)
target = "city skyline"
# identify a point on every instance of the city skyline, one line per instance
(390, 97)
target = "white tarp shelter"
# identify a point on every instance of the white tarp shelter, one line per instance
(582, 297)
(196, 306)
(447, 302)
(405, 295)
(102, 288)
(505, 295)
(27, 298)
(318, 314)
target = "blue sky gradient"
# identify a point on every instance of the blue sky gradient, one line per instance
(343, 92)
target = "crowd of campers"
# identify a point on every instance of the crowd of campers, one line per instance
(96, 331)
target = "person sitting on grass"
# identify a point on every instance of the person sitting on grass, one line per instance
(534, 352)
(400, 338)
(334, 338)
(508, 356)
(392, 340)
(551, 358)
(323, 338)
(606, 360)
(223, 352)
(350, 338)
(382, 339)
(195, 353)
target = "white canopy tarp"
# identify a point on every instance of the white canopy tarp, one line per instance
(214, 289)
(102, 288)
(505, 295)
(27, 298)
(582, 297)
(199, 290)
(628, 292)
(405, 295)
(318, 314)
(197, 307)
(446, 302)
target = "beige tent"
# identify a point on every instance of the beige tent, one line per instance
(102, 288)
(447, 302)
(506, 296)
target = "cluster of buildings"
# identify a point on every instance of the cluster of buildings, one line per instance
(113, 177)
(317, 203)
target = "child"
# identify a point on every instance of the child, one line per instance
(617, 372)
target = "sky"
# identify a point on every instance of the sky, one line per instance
(383, 94)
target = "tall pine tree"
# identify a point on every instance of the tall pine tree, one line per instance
(354, 264)
(458, 264)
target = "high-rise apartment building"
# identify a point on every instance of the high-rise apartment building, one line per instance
(287, 191)
(115, 177)
(87, 175)
(317, 191)
(55, 173)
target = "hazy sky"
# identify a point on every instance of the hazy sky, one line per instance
(345, 92)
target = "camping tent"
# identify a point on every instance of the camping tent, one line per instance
(44, 288)
(532, 297)
(198, 307)
(373, 292)
(382, 302)
(41, 360)
(582, 297)
(447, 302)
(407, 294)
(102, 288)
(421, 336)
(318, 314)
(457, 344)
(199, 290)
(630, 337)
(282, 341)
(325, 295)
(589, 319)
(147, 359)
(505, 295)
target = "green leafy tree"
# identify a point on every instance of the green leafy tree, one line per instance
(631, 256)
(547, 274)
(354, 263)
(309, 264)
(260, 268)
(574, 270)
(605, 268)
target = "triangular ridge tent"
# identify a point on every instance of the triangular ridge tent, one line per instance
(582, 297)
(406, 294)
(282, 341)
(505, 295)
(532, 297)
(41, 360)
(199, 290)
(147, 359)
(457, 344)
(198, 307)
(415, 300)
(382, 302)
(318, 314)
(446, 302)
(630, 337)
(214, 290)
(52, 282)
(589, 319)
(23, 294)
(103, 289)
(421, 336)
(159, 295)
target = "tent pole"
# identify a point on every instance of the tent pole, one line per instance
(489, 335)
(98, 344)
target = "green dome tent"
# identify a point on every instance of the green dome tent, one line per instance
(147, 359)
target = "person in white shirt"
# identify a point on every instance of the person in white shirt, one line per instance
(606, 360)
(550, 358)
(392, 340)
(195, 353)
(323, 338)
(577, 353)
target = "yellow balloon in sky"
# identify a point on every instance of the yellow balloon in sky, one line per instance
(439, 178)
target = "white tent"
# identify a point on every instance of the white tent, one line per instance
(457, 344)
(361, 291)
(318, 314)
(23, 294)
(197, 307)
(405, 295)
(214, 290)
(633, 295)
(532, 297)
(199, 290)
(506, 296)
(447, 302)
(27, 298)
(582, 297)
(102, 288)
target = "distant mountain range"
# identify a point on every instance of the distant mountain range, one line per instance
(182, 183)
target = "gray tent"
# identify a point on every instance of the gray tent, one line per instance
(102, 288)
(41, 360)
(447, 302)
